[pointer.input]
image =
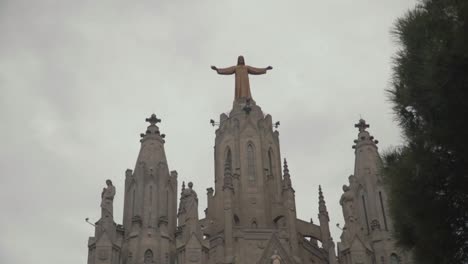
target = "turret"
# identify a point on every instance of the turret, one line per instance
(366, 234)
(150, 201)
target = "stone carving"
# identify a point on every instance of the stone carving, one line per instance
(107, 196)
(241, 71)
(347, 199)
(189, 202)
(375, 224)
(347, 202)
(275, 258)
(103, 254)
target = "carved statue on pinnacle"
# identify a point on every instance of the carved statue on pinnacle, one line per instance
(107, 195)
(241, 71)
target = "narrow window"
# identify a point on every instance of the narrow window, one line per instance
(365, 213)
(148, 257)
(150, 203)
(394, 259)
(228, 162)
(270, 162)
(383, 211)
(250, 162)
(151, 196)
(133, 203)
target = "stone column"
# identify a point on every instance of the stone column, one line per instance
(228, 217)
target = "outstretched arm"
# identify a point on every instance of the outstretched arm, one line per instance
(257, 71)
(225, 71)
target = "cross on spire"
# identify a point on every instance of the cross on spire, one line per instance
(153, 120)
(362, 125)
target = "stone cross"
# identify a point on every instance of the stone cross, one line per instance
(241, 71)
(361, 125)
(153, 120)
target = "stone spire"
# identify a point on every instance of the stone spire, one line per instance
(322, 205)
(365, 207)
(150, 202)
(286, 177)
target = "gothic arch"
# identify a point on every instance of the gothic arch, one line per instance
(148, 258)
(280, 221)
(236, 220)
(271, 162)
(364, 212)
(251, 167)
(381, 200)
(228, 157)
(394, 259)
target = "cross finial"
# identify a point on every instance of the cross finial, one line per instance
(153, 120)
(361, 125)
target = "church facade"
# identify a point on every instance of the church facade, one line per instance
(251, 210)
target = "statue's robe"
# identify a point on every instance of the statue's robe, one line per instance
(107, 207)
(242, 85)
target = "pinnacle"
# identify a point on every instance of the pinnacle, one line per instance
(362, 125)
(152, 129)
(363, 134)
(320, 193)
(153, 120)
(285, 168)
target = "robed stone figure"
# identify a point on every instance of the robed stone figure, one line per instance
(107, 196)
(241, 71)
(189, 203)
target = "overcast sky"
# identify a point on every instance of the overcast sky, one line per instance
(78, 78)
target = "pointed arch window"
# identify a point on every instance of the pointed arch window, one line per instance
(270, 161)
(133, 203)
(228, 162)
(365, 213)
(251, 162)
(148, 257)
(383, 211)
(394, 259)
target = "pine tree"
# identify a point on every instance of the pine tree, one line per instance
(427, 178)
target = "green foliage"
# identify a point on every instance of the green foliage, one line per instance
(428, 176)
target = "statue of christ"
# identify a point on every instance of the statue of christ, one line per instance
(241, 72)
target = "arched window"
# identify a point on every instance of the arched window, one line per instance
(228, 162)
(383, 211)
(270, 161)
(236, 220)
(394, 259)
(133, 203)
(148, 257)
(365, 213)
(251, 162)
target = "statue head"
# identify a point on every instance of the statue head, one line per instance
(109, 182)
(190, 185)
(345, 188)
(240, 60)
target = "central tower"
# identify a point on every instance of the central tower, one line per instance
(251, 214)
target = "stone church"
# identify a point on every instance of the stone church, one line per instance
(251, 209)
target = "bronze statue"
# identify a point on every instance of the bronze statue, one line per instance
(241, 72)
